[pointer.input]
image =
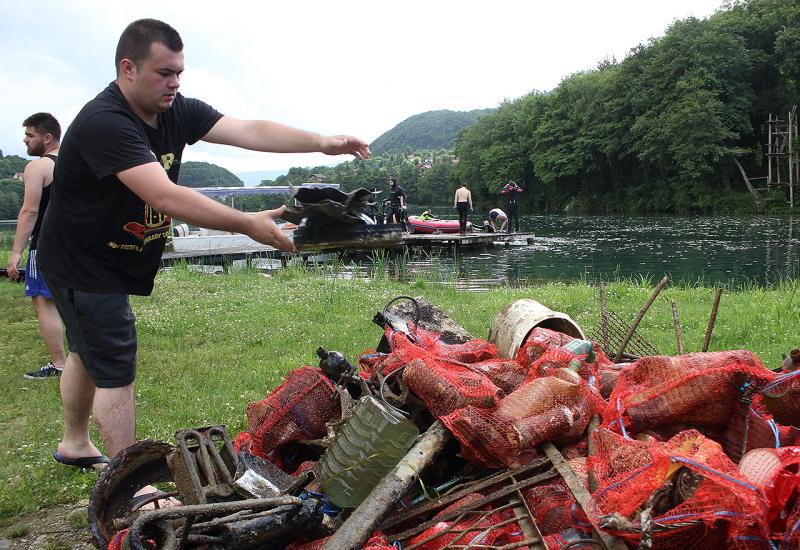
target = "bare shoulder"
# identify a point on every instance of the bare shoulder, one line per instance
(40, 170)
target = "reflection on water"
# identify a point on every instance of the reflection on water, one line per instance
(759, 250)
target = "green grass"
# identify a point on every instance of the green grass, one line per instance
(209, 345)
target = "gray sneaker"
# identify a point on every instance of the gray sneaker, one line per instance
(46, 371)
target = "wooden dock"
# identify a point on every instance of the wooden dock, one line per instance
(455, 241)
(466, 240)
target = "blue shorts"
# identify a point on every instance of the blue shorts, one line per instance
(34, 282)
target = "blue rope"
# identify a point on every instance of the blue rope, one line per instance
(621, 423)
(781, 378)
(776, 433)
(714, 472)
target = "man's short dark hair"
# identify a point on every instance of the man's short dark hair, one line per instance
(44, 123)
(138, 37)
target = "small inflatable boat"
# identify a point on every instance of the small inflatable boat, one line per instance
(433, 226)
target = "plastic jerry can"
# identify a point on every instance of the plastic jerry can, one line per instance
(367, 448)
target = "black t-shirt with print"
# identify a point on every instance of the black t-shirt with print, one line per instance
(97, 235)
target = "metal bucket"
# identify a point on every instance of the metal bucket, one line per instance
(515, 322)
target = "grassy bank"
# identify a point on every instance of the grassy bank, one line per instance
(210, 345)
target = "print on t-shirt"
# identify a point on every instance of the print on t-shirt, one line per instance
(155, 226)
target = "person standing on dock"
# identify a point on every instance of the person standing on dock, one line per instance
(398, 204)
(511, 190)
(463, 202)
(42, 138)
(109, 218)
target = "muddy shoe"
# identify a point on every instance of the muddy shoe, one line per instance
(47, 371)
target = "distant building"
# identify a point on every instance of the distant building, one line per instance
(319, 178)
(18, 176)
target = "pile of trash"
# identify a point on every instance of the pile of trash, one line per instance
(439, 440)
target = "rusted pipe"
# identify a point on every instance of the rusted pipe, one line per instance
(712, 320)
(677, 326)
(639, 317)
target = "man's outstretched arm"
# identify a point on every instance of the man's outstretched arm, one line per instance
(151, 184)
(273, 137)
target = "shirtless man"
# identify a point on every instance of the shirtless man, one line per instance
(463, 202)
(42, 138)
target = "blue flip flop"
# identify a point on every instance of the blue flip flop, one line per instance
(82, 462)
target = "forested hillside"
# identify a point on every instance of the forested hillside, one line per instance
(204, 174)
(11, 190)
(426, 131)
(656, 132)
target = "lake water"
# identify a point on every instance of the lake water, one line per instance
(752, 249)
(760, 250)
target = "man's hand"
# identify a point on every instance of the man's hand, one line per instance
(345, 145)
(11, 268)
(265, 230)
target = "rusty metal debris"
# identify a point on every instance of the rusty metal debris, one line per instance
(474, 478)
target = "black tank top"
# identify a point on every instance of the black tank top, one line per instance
(43, 202)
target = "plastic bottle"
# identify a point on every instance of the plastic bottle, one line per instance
(581, 348)
(367, 447)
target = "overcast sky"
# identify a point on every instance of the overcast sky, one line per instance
(355, 67)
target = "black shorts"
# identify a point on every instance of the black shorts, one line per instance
(101, 328)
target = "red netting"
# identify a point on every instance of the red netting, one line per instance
(542, 409)
(445, 387)
(698, 388)
(241, 442)
(539, 341)
(472, 527)
(782, 398)
(697, 495)
(507, 374)
(752, 427)
(777, 473)
(378, 542)
(297, 409)
(554, 508)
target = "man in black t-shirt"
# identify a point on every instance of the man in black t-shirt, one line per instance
(109, 217)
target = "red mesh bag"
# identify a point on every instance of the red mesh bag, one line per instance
(297, 409)
(554, 508)
(698, 496)
(241, 442)
(543, 409)
(782, 398)
(540, 340)
(699, 388)
(475, 527)
(507, 374)
(445, 387)
(777, 473)
(752, 427)
(378, 542)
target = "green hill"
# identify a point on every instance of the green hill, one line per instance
(427, 131)
(10, 165)
(205, 174)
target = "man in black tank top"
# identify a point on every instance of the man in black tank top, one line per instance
(42, 138)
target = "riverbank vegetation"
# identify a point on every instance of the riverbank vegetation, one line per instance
(209, 345)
